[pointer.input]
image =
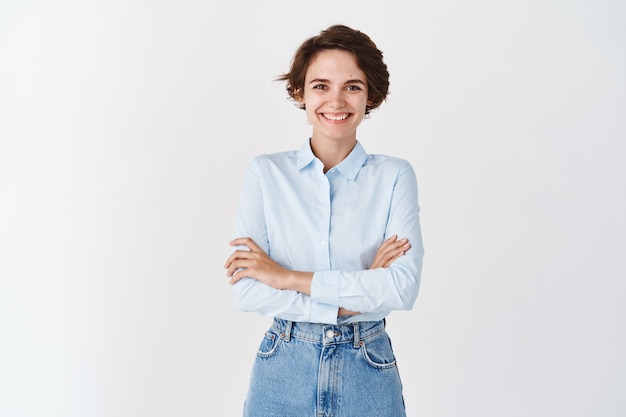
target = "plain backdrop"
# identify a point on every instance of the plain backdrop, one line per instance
(125, 129)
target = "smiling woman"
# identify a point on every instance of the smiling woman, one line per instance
(329, 243)
(335, 99)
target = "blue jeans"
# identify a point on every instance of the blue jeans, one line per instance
(319, 370)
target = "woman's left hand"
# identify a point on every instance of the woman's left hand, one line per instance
(255, 263)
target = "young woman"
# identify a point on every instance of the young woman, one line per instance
(329, 243)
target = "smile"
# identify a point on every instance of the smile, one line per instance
(336, 117)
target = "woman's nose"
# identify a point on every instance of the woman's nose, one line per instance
(336, 99)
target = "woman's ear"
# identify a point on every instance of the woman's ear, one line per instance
(298, 96)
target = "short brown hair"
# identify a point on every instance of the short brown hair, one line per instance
(368, 57)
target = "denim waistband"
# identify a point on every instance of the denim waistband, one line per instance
(329, 333)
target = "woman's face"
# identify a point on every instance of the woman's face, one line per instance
(334, 95)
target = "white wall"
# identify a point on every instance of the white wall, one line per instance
(125, 127)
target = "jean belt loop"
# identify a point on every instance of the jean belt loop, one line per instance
(357, 337)
(288, 330)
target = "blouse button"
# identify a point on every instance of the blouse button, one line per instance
(323, 242)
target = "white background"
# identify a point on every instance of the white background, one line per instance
(125, 128)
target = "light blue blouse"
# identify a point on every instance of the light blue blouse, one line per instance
(331, 224)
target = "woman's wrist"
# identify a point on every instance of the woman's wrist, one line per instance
(342, 312)
(299, 281)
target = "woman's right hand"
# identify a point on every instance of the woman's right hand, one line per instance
(389, 251)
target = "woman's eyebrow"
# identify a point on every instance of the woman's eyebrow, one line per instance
(319, 80)
(324, 80)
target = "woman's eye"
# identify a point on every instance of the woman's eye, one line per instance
(319, 87)
(353, 88)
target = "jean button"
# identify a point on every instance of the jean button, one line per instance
(330, 334)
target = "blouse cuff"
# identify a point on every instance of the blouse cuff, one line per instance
(323, 313)
(325, 288)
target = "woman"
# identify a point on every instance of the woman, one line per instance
(317, 231)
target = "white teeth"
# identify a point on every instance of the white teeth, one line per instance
(336, 117)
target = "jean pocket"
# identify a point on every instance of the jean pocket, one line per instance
(378, 352)
(269, 345)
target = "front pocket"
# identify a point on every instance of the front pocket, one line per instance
(269, 345)
(378, 353)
